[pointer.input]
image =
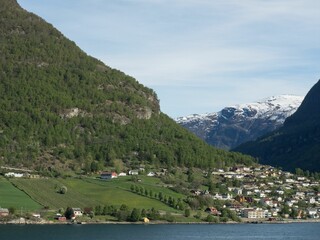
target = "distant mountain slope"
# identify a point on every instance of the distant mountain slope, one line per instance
(241, 123)
(61, 109)
(297, 143)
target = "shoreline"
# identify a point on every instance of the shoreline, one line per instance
(246, 221)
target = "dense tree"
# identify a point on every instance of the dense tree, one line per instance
(135, 215)
(98, 210)
(69, 213)
(154, 214)
(187, 212)
(12, 210)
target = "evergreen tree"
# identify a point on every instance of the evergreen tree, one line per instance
(69, 213)
(135, 215)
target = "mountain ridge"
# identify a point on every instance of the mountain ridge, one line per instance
(236, 124)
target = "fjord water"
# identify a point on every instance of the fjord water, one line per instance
(300, 231)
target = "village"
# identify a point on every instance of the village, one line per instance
(260, 193)
(264, 192)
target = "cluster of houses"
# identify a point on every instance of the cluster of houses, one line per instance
(21, 175)
(18, 172)
(265, 191)
(111, 175)
(4, 212)
(77, 212)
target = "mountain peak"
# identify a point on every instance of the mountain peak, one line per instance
(236, 124)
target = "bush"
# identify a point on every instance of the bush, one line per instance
(187, 212)
(212, 219)
(169, 217)
(224, 219)
(63, 190)
(198, 215)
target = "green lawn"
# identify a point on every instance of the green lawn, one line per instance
(13, 197)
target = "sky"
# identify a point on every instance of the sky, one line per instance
(198, 55)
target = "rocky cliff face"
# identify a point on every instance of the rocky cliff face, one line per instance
(240, 123)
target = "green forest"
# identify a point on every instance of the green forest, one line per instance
(62, 109)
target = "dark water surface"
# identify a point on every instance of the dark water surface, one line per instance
(303, 231)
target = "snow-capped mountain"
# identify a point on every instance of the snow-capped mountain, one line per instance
(241, 123)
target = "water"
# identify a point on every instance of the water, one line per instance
(303, 231)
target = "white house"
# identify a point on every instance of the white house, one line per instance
(289, 203)
(262, 194)
(227, 196)
(4, 212)
(289, 180)
(301, 178)
(238, 191)
(217, 196)
(151, 174)
(280, 192)
(134, 172)
(253, 213)
(312, 200)
(12, 174)
(312, 212)
(267, 202)
(77, 212)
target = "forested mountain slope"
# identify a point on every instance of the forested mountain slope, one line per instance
(297, 143)
(62, 109)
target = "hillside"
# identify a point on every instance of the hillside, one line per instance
(237, 124)
(62, 110)
(297, 143)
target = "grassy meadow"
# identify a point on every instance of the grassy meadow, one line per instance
(13, 197)
(91, 192)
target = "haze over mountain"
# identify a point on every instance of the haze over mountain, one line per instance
(61, 109)
(237, 124)
(297, 143)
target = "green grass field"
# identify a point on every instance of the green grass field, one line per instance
(90, 192)
(45, 192)
(13, 197)
(117, 192)
(149, 183)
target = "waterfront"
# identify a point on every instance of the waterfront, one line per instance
(295, 231)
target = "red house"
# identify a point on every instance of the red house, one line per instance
(108, 175)
(213, 211)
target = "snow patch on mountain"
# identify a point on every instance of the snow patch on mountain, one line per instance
(270, 113)
(276, 107)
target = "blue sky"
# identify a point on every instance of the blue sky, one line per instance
(198, 55)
